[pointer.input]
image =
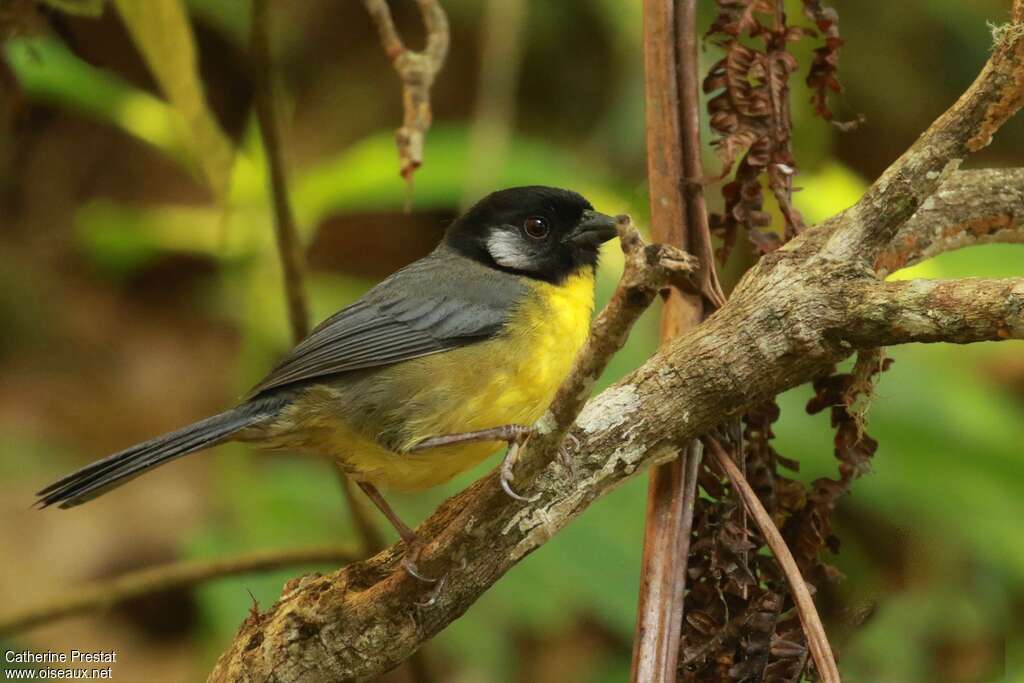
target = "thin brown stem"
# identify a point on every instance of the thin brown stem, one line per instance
(678, 217)
(817, 640)
(289, 246)
(662, 579)
(698, 230)
(105, 594)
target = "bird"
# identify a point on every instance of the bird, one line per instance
(431, 371)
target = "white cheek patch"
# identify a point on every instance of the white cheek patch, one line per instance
(507, 250)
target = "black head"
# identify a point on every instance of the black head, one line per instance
(540, 232)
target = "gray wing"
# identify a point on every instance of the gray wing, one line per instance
(437, 303)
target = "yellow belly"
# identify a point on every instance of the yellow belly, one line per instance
(509, 379)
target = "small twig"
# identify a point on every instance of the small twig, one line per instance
(817, 640)
(105, 594)
(417, 71)
(288, 244)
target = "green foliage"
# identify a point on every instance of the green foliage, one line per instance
(85, 8)
(49, 72)
(161, 31)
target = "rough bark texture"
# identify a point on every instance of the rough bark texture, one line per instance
(952, 311)
(973, 207)
(796, 313)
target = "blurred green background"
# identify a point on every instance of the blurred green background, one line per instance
(134, 300)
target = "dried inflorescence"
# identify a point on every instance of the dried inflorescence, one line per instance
(740, 619)
(846, 396)
(750, 115)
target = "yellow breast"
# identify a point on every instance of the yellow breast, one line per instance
(510, 379)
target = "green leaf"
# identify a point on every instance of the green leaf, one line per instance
(85, 8)
(49, 72)
(161, 31)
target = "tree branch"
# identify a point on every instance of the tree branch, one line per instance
(787, 321)
(972, 207)
(995, 95)
(416, 71)
(955, 311)
(106, 594)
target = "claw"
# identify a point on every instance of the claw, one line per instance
(507, 476)
(409, 565)
(507, 488)
(434, 594)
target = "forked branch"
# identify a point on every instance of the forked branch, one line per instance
(971, 207)
(416, 71)
(967, 126)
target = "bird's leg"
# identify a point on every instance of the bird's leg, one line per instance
(412, 542)
(514, 435)
(506, 433)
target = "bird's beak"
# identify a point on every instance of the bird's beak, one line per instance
(593, 230)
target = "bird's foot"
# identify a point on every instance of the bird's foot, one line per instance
(413, 548)
(507, 474)
(514, 435)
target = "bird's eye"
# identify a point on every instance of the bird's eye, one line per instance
(536, 227)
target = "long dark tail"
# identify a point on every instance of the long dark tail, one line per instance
(117, 469)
